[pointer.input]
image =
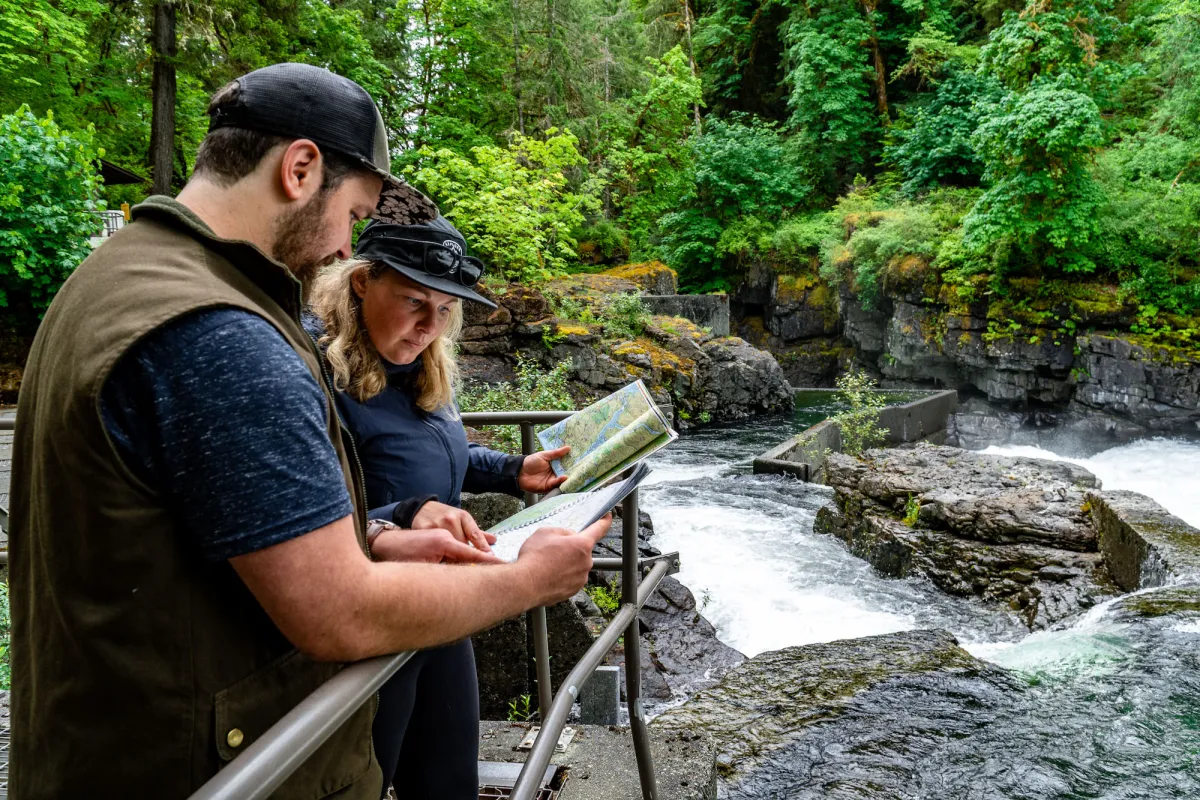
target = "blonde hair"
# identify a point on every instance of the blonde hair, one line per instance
(356, 365)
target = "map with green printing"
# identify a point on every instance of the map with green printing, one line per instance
(607, 437)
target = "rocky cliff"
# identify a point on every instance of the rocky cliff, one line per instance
(702, 376)
(1068, 349)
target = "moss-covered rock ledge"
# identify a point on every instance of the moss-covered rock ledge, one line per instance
(702, 376)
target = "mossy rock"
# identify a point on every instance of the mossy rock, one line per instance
(1173, 601)
(652, 277)
(794, 288)
(768, 704)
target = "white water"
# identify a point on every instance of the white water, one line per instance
(1167, 470)
(766, 581)
(760, 574)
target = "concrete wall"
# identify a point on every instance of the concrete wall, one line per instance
(706, 310)
(803, 455)
(1143, 544)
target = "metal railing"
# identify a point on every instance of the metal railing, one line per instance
(269, 760)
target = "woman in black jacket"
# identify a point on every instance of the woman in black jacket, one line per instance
(386, 324)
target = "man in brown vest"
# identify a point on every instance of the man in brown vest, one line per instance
(188, 550)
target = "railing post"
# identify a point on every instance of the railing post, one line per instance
(536, 619)
(630, 574)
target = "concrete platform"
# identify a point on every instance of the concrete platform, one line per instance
(601, 764)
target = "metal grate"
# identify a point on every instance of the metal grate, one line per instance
(504, 792)
(3, 762)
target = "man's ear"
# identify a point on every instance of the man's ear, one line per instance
(300, 170)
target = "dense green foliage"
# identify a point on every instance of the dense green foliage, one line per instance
(971, 144)
(535, 389)
(48, 193)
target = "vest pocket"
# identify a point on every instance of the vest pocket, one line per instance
(245, 710)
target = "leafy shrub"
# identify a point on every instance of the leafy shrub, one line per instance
(603, 241)
(513, 204)
(607, 597)
(859, 425)
(624, 315)
(535, 389)
(49, 188)
(742, 175)
(882, 238)
(937, 148)
(520, 709)
(801, 237)
(1041, 203)
(912, 511)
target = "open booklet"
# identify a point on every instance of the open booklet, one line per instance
(572, 511)
(607, 437)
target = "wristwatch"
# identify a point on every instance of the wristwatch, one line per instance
(376, 527)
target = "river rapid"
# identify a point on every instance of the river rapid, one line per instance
(1109, 707)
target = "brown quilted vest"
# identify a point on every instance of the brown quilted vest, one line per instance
(138, 669)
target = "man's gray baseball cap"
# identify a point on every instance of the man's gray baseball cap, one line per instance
(301, 101)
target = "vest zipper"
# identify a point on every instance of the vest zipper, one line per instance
(361, 483)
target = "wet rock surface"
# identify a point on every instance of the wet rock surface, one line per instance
(851, 718)
(680, 650)
(1009, 530)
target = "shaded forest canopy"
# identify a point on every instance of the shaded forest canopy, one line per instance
(977, 148)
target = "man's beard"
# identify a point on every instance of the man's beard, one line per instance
(298, 234)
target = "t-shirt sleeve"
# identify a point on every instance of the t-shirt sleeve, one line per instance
(219, 415)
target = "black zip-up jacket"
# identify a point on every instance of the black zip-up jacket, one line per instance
(410, 456)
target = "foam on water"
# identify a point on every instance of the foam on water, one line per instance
(758, 571)
(1167, 470)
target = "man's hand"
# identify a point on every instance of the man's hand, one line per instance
(430, 546)
(536, 473)
(439, 516)
(557, 560)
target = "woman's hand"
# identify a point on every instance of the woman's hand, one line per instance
(461, 525)
(536, 473)
(429, 546)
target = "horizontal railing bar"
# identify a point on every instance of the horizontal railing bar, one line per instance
(264, 765)
(614, 564)
(560, 709)
(513, 417)
(8, 423)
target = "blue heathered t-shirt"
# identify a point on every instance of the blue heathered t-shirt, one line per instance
(219, 415)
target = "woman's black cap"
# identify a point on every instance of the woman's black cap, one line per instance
(382, 241)
(306, 102)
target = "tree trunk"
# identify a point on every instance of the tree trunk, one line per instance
(162, 90)
(517, 68)
(551, 94)
(687, 27)
(881, 99)
(607, 64)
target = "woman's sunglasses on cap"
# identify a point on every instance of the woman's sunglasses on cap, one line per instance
(436, 259)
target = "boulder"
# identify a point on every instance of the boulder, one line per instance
(1004, 529)
(805, 721)
(651, 277)
(685, 368)
(737, 380)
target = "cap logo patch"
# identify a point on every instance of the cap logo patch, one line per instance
(450, 244)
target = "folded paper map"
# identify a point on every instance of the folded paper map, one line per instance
(607, 437)
(572, 511)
